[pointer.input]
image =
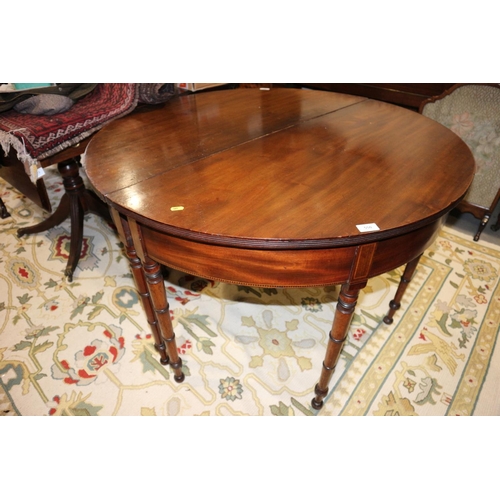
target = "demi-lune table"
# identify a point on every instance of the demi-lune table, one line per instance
(276, 188)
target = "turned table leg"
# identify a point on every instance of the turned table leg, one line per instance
(123, 229)
(157, 299)
(407, 276)
(154, 278)
(338, 335)
(75, 203)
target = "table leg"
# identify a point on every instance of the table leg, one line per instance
(140, 283)
(76, 201)
(157, 295)
(407, 276)
(154, 278)
(338, 335)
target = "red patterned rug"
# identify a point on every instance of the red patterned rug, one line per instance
(36, 137)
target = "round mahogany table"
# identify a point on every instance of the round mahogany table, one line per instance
(276, 188)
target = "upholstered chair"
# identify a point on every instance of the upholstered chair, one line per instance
(472, 111)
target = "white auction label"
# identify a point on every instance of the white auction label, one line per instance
(364, 228)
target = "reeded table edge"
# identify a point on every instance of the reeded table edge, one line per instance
(282, 244)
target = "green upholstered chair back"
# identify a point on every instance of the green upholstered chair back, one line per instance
(472, 111)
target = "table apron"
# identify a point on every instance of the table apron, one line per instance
(283, 268)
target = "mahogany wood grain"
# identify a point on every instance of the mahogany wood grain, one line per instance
(267, 188)
(285, 267)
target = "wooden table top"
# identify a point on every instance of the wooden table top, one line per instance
(283, 168)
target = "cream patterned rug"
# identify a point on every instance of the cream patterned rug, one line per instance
(84, 348)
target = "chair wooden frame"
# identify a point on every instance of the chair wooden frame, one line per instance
(481, 211)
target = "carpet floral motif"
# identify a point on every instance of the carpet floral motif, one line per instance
(85, 347)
